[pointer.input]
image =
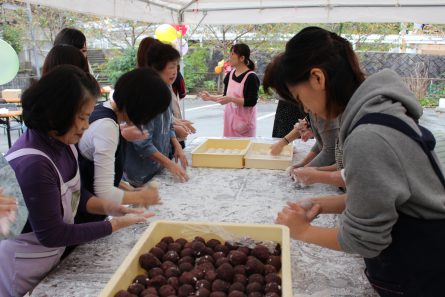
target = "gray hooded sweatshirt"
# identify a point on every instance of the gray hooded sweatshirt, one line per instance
(386, 171)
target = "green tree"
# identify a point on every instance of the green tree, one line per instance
(14, 36)
(120, 64)
(195, 67)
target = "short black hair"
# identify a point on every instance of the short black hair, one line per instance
(52, 103)
(142, 95)
(72, 37)
(159, 54)
(65, 54)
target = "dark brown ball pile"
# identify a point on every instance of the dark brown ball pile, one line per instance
(181, 268)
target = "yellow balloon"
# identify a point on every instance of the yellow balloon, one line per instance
(166, 33)
(221, 63)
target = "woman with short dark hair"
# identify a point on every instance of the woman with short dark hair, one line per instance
(102, 146)
(56, 110)
(394, 211)
(145, 158)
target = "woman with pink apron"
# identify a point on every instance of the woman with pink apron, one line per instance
(240, 95)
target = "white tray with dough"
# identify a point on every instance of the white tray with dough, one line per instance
(259, 156)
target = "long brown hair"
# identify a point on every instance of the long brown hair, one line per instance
(315, 47)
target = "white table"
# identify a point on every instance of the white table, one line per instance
(227, 195)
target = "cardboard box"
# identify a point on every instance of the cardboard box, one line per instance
(259, 156)
(130, 268)
(213, 153)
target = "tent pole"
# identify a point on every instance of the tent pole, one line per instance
(31, 30)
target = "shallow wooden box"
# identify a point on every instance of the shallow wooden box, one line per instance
(202, 158)
(130, 267)
(258, 156)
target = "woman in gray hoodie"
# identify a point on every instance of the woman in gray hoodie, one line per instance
(394, 212)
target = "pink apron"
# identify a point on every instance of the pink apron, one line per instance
(239, 121)
(24, 260)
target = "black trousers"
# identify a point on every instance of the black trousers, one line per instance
(414, 264)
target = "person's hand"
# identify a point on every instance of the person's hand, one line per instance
(7, 204)
(306, 135)
(206, 96)
(132, 133)
(224, 100)
(180, 156)
(149, 195)
(277, 147)
(130, 218)
(180, 131)
(306, 175)
(304, 130)
(189, 126)
(311, 209)
(178, 172)
(296, 219)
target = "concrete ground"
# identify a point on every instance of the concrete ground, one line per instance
(208, 120)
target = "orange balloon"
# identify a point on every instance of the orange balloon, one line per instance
(218, 70)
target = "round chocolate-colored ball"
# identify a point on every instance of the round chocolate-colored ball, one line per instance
(181, 241)
(275, 261)
(255, 294)
(135, 289)
(220, 285)
(199, 238)
(218, 294)
(261, 252)
(172, 271)
(187, 259)
(168, 239)
(186, 266)
(212, 243)
(244, 249)
(175, 247)
(240, 278)
(272, 278)
(187, 252)
(167, 264)
(167, 290)
(158, 281)
(221, 261)
(237, 286)
(149, 261)
(272, 288)
(171, 256)
(155, 271)
(185, 290)
(162, 245)
(254, 287)
(158, 252)
(202, 292)
(239, 269)
(225, 272)
(205, 258)
(141, 279)
(198, 247)
(221, 248)
(150, 291)
(210, 275)
(256, 278)
(202, 283)
(269, 269)
(254, 265)
(237, 258)
(173, 281)
(188, 278)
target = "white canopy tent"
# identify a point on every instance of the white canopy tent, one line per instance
(259, 11)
